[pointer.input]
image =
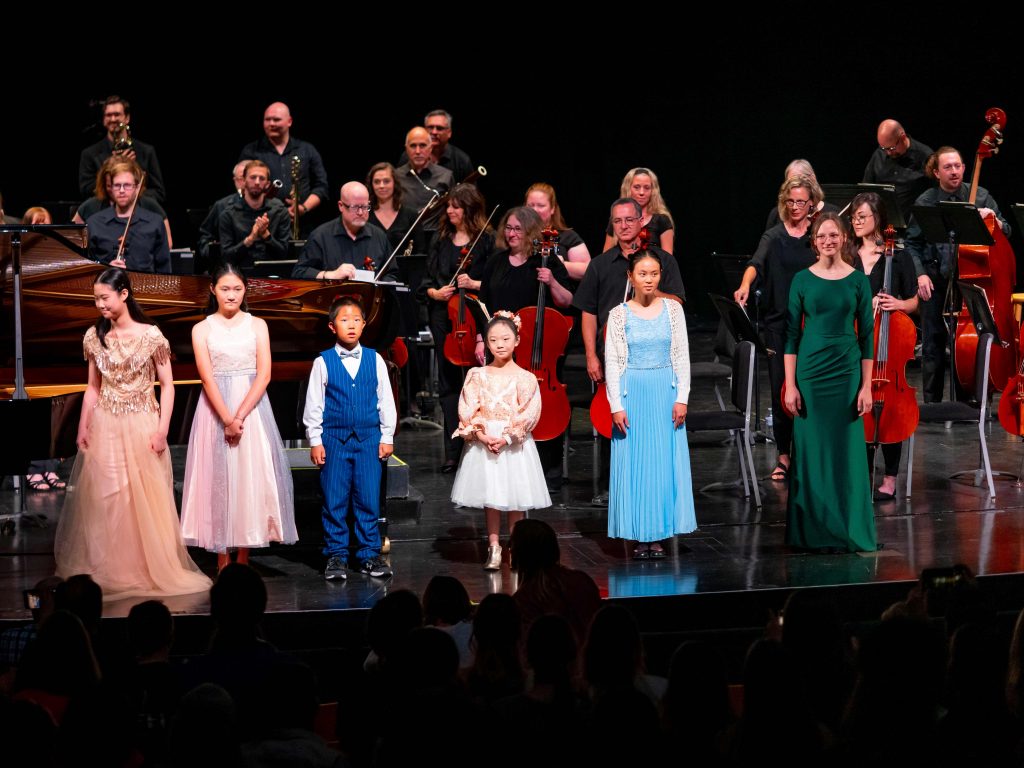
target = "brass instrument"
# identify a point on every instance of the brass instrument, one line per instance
(124, 142)
(296, 163)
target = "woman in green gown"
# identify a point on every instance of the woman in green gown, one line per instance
(829, 346)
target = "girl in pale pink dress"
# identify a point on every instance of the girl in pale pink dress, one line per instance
(238, 483)
(119, 523)
(498, 409)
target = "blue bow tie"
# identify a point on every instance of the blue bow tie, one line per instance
(354, 353)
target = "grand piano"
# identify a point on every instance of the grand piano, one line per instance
(57, 307)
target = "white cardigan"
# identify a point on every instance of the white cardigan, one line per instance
(616, 353)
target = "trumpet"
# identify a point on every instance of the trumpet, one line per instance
(124, 139)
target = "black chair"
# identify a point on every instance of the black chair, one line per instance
(972, 411)
(739, 420)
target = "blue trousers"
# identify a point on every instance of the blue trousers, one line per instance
(350, 477)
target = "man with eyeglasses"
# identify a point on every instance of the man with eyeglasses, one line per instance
(439, 125)
(335, 250)
(252, 227)
(116, 113)
(899, 160)
(420, 177)
(276, 148)
(934, 262)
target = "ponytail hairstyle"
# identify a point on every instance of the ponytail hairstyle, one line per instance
(226, 268)
(117, 279)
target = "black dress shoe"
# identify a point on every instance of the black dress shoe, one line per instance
(448, 467)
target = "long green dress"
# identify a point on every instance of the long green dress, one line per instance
(830, 490)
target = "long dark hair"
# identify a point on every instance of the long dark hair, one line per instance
(226, 268)
(474, 217)
(117, 279)
(396, 198)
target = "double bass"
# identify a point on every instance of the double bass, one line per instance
(542, 340)
(994, 268)
(894, 413)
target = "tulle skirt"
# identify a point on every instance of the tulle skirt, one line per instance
(650, 494)
(119, 523)
(236, 496)
(511, 480)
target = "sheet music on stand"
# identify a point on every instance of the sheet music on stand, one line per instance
(841, 195)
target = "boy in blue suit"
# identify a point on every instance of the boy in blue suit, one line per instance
(350, 421)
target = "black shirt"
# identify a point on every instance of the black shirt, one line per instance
(396, 232)
(604, 283)
(779, 256)
(209, 230)
(329, 246)
(145, 248)
(904, 281)
(925, 253)
(235, 224)
(452, 158)
(92, 158)
(415, 194)
(905, 173)
(443, 260)
(312, 175)
(504, 286)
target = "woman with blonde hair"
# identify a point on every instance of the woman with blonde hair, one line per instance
(642, 185)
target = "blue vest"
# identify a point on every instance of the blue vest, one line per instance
(350, 405)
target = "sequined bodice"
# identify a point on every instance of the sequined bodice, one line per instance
(649, 341)
(128, 369)
(232, 347)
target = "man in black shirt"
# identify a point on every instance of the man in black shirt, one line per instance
(253, 228)
(439, 125)
(604, 283)
(335, 250)
(899, 160)
(116, 118)
(421, 176)
(277, 148)
(934, 264)
(209, 230)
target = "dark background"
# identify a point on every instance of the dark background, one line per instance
(716, 115)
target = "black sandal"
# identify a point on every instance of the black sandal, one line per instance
(642, 552)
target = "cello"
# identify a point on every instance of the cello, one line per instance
(460, 343)
(894, 413)
(542, 340)
(994, 268)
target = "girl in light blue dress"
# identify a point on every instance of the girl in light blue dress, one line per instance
(647, 369)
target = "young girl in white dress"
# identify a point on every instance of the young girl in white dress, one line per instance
(238, 483)
(119, 523)
(498, 409)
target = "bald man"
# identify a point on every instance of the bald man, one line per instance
(899, 160)
(276, 149)
(421, 175)
(335, 250)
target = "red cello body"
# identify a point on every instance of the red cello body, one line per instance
(894, 413)
(993, 268)
(460, 343)
(542, 339)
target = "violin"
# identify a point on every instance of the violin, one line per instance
(600, 408)
(994, 268)
(542, 339)
(460, 343)
(894, 413)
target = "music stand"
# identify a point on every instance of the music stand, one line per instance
(1017, 209)
(981, 316)
(953, 224)
(841, 195)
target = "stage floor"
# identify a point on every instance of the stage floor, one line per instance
(736, 547)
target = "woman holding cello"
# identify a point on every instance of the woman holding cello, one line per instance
(450, 274)
(869, 222)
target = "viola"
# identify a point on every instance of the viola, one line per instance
(894, 413)
(600, 408)
(994, 268)
(542, 339)
(460, 343)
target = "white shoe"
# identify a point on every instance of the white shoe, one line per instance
(493, 561)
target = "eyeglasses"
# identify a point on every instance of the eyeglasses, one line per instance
(123, 187)
(357, 208)
(798, 204)
(826, 237)
(860, 218)
(513, 230)
(628, 221)
(899, 140)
